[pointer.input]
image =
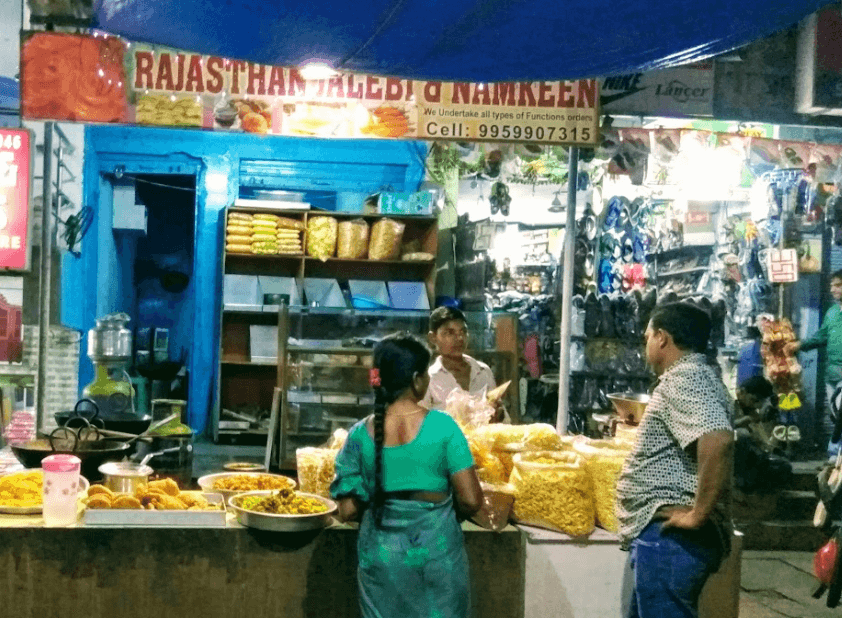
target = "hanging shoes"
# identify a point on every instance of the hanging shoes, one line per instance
(592, 315)
(606, 317)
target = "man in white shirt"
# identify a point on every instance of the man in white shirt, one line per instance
(453, 368)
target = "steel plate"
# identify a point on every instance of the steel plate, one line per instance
(36, 510)
(283, 523)
(206, 483)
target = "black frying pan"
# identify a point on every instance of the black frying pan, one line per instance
(92, 454)
(86, 412)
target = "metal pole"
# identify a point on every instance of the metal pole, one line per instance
(567, 293)
(44, 276)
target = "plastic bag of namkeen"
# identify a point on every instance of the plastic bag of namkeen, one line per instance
(604, 461)
(321, 237)
(553, 490)
(352, 242)
(315, 469)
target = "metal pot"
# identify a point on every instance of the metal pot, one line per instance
(630, 406)
(124, 476)
(111, 339)
(170, 456)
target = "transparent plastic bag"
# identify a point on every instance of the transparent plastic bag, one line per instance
(553, 490)
(352, 242)
(497, 501)
(604, 461)
(321, 237)
(469, 411)
(489, 467)
(315, 469)
(386, 237)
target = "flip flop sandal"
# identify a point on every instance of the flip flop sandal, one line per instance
(592, 315)
(606, 317)
(609, 246)
(605, 276)
(623, 220)
(612, 211)
(638, 248)
(628, 249)
(589, 259)
(635, 209)
(617, 280)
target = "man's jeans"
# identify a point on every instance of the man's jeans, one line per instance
(669, 569)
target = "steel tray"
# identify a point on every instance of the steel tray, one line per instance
(282, 523)
(141, 518)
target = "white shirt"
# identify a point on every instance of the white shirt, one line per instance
(442, 382)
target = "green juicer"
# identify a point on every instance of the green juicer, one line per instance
(110, 349)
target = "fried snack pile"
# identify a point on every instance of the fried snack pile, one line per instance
(263, 234)
(489, 467)
(555, 495)
(249, 482)
(386, 121)
(321, 237)
(386, 237)
(315, 469)
(285, 502)
(22, 489)
(161, 495)
(604, 461)
(352, 243)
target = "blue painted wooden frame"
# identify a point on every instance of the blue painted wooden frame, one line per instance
(92, 283)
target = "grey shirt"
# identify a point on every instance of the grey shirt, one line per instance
(688, 402)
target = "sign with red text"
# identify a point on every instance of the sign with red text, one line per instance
(171, 88)
(15, 170)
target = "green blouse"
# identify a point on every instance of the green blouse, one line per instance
(438, 451)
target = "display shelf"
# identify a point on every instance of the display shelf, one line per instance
(318, 350)
(607, 339)
(248, 363)
(683, 271)
(610, 374)
(676, 251)
(244, 382)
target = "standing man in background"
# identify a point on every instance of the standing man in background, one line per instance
(668, 494)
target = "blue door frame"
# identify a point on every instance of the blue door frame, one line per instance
(92, 284)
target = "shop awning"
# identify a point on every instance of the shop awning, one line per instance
(457, 40)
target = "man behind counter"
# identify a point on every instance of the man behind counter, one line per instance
(668, 493)
(453, 368)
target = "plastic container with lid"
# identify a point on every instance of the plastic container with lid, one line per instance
(60, 489)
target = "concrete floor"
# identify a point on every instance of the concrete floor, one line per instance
(780, 584)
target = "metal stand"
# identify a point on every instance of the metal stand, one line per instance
(567, 293)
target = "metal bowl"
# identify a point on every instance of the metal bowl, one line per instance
(282, 523)
(206, 483)
(630, 406)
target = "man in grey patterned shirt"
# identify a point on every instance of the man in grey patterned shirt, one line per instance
(668, 492)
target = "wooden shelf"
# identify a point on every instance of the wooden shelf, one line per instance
(245, 363)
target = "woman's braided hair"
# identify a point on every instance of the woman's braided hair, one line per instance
(398, 358)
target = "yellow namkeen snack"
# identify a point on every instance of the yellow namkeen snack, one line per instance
(315, 469)
(22, 489)
(604, 462)
(489, 467)
(321, 237)
(553, 490)
(543, 437)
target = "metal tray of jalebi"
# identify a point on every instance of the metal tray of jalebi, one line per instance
(282, 523)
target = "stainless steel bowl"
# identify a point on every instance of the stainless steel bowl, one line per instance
(124, 477)
(630, 406)
(206, 483)
(282, 523)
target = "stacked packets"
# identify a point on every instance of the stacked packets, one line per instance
(263, 234)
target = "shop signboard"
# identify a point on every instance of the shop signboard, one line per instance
(682, 91)
(15, 178)
(138, 84)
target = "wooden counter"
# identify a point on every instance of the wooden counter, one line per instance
(229, 572)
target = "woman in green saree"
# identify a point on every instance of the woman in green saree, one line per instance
(404, 472)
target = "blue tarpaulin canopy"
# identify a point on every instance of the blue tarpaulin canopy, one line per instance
(457, 40)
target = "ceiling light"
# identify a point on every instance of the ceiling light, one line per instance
(317, 70)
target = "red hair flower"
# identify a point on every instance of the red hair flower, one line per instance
(374, 377)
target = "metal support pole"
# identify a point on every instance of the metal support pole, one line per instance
(567, 293)
(44, 276)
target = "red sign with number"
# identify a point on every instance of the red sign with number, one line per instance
(14, 198)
